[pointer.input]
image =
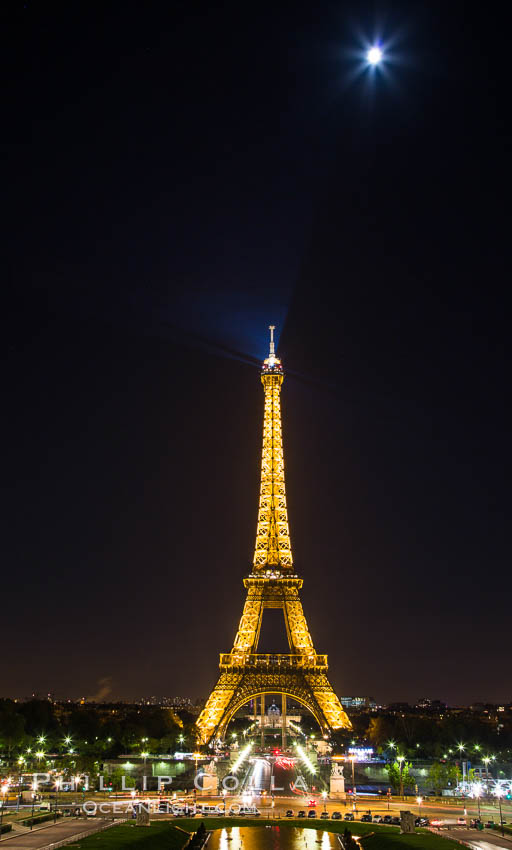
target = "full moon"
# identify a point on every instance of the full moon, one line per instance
(374, 55)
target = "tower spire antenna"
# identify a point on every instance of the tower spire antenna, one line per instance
(272, 352)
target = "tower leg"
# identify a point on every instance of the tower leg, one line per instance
(283, 718)
(262, 721)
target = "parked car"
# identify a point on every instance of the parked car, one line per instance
(421, 822)
(387, 819)
(395, 821)
(324, 815)
(312, 814)
(301, 814)
(336, 816)
(366, 819)
(378, 818)
(348, 816)
(462, 821)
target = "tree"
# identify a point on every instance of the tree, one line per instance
(400, 776)
(393, 771)
(116, 777)
(381, 730)
(12, 731)
(348, 841)
(442, 776)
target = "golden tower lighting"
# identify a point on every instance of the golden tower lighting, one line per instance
(244, 673)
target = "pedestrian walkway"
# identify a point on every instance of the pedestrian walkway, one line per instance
(44, 837)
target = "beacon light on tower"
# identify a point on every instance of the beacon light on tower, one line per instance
(272, 363)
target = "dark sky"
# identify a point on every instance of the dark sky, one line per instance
(176, 177)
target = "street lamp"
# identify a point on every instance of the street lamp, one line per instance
(499, 791)
(354, 789)
(21, 762)
(324, 795)
(144, 756)
(477, 792)
(224, 792)
(57, 786)
(486, 761)
(34, 792)
(4, 789)
(400, 759)
(419, 801)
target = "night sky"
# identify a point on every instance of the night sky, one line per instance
(177, 177)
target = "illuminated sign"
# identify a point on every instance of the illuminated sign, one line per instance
(360, 753)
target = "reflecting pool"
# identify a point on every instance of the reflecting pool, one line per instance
(272, 838)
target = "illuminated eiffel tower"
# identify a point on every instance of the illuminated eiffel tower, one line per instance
(246, 674)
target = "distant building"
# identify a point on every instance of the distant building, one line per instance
(431, 706)
(273, 717)
(399, 708)
(358, 702)
(178, 703)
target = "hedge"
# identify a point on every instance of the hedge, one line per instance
(40, 819)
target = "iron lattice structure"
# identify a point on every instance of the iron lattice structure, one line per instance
(245, 673)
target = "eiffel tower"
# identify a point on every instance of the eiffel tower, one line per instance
(246, 674)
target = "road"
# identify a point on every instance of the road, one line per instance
(260, 776)
(480, 840)
(42, 837)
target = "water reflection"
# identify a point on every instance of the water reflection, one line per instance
(272, 838)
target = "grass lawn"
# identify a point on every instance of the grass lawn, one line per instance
(507, 829)
(161, 835)
(424, 840)
(164, 834)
